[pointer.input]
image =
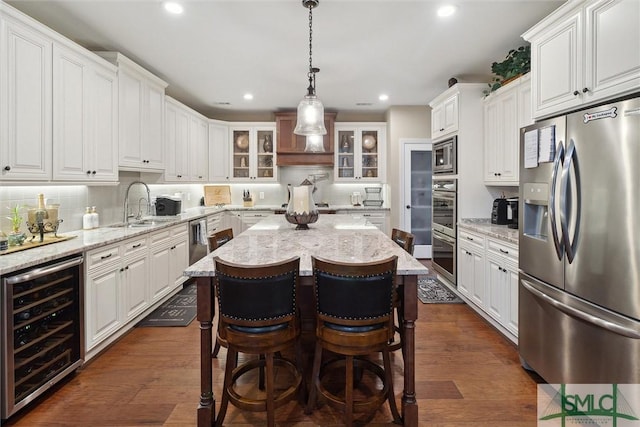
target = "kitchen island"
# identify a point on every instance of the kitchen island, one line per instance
(335, 237)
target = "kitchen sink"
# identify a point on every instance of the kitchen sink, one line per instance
(136, 224)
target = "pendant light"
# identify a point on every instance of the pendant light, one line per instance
(310, 119)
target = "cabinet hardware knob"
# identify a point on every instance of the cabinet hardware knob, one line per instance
(442, 130)
(7, 168)
(88, 172)
(127, 267)
(576, 93)
(179, 176)
(121, 270)
(93, 172)
(585, 89)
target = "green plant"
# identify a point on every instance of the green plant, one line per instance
(15, 218)
(517, 61)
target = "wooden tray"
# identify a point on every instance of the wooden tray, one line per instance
(217, 195)
(30, 244)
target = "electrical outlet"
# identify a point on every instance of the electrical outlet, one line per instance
(262, 195)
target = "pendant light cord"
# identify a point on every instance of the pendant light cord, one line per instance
(311, 90)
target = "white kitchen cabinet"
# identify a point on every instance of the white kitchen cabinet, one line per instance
(505, 112)
(85, 102)
(186, 144)
(360, 152)
(169, 257)
(134, 277)
(502, 278)
(25, 99)
(252, 217)
(253, 156)
(232, 220)
(471, 265)
(583, 53)
(444, 115)
(218, 151)
(379, 218)
(140, 116)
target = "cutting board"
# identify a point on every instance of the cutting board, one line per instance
(217, 195)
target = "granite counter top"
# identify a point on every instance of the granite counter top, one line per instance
(85, 240)
(335, 237)
(484, 226)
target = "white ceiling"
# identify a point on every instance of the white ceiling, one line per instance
(217, 50)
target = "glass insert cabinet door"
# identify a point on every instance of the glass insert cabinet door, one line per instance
(369, 151)
(253, 154)
(359, 152)
(346, 158)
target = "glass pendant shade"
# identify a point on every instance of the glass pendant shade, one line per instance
(310, 117)
(314, 144)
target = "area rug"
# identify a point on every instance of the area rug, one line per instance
(179, 310)
(432, 292)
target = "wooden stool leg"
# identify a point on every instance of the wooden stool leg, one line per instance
(261, 375)
(271, 406)
(389, 379)
(348, 392)
(317, 358)
(216, 350)
(228, 380)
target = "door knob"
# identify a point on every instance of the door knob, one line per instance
(408, 206)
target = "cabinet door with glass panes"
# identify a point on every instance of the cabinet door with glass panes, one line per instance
(360, 152)
(252, 155)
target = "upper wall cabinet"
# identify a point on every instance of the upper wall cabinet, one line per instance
(360, 152)
(141, 115)
(290, 147)
(505, 111)
(85, 117)
(218, 151)
(444, 115)
(186, 144)
(252, 152)
(25, 98)
(583, 53)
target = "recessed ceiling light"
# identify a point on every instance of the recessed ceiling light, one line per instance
(173, 7)
(248, 96)
(383, 97)
(446, 10)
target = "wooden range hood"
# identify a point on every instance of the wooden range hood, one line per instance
(290, 147)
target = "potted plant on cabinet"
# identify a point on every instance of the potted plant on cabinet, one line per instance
(16, 237)
(516, 63)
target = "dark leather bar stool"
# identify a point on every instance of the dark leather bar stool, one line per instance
(354, 330)
(215, 241)
(219, 238)
(258, 316)
(406, 241)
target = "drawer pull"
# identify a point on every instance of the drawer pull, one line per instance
(136, 246)
(503, 251)
(469, 238)
(106, 256)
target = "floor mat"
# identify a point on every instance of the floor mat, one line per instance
(179, 310)
(432, 292)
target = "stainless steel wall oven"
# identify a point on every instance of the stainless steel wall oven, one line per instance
(42, 330)
(444, 228)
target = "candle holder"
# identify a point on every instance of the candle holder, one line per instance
(301, 209)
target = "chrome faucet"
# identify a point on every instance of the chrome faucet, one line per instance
(126, 201)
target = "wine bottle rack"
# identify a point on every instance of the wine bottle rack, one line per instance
(43, 332)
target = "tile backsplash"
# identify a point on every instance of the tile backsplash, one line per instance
(109, 200)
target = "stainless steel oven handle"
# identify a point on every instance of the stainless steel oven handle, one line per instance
(43, 271)
(445, 239)
(574, 312)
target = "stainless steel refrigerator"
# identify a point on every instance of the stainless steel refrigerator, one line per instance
(579, 212)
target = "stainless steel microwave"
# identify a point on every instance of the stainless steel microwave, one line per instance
(444, 156)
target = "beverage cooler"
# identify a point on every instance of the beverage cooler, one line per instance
(42, 332)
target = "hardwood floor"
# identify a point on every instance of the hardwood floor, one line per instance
(467, 374)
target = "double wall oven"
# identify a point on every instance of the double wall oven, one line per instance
(444, 228)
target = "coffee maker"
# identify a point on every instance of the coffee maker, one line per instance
(512, 208)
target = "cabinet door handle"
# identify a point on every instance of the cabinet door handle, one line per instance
(585, 89)
(88, 172)
(576, 93)
(7, 168)
(106, 256)
(503, 251)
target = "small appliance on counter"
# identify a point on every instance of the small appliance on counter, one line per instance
(168, 205)
(505, 211)
(512, 212)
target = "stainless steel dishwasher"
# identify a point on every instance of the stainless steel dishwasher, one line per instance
(42, 329)
(198, 243)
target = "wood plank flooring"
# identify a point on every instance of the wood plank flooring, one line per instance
(467, 374)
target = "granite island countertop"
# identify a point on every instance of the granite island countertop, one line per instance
(338, 237)
(85, 240)
(484, 226)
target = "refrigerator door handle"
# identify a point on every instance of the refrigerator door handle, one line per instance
(559, 159)
(579, 314)
(571, 160)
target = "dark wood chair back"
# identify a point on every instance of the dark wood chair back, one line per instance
(404, 239)
(219, 238)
